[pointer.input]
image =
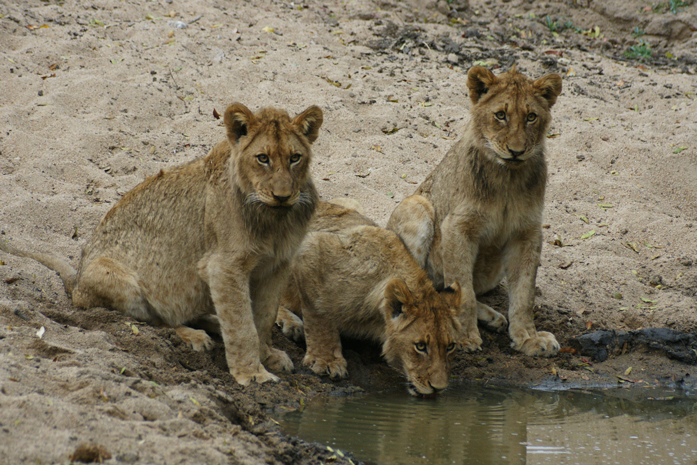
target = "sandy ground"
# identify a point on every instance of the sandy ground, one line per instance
(97, 95)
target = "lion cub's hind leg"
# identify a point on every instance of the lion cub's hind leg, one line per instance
(414, 222)
(323, 354)
(105, 282)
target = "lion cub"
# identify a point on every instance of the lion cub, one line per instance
(353, 278)
(212, 239)
(477, 217)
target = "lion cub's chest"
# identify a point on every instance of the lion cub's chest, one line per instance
(274, 252)
(511, 216)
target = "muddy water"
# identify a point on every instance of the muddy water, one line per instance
(480, 425)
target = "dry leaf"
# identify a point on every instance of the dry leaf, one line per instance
(632, 246)
(589, 234)
(216, 115)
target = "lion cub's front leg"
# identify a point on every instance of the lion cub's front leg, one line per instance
(266, 297)
(229, 286)
(454, 242)
(323, 354)
(521, 261)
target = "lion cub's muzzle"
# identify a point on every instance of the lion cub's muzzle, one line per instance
(514, 157)
(427, 392)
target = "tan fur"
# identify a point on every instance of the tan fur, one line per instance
(477, 217)
(356, 279)
(210, 240)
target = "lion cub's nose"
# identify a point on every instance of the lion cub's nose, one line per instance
(515, 154)
(281, 198)
(437, 389)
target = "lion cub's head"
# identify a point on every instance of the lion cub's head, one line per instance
(272, 153)
(511, 114)
(421, 334)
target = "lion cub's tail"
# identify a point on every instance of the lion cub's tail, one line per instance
(66, 272)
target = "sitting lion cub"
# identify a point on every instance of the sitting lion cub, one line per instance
(213, 237)
(353, 278)
(477, 217)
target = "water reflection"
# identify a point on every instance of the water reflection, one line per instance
(475, 425)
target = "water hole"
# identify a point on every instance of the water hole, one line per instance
(482, 425)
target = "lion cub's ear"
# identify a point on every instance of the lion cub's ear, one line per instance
(453, 296)
(309, 122)
(479, 80)
(238, 121)
(397, 295)
(549, 87)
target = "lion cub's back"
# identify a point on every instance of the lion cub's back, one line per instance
(344, 273)
(333, 217)
(157, 228)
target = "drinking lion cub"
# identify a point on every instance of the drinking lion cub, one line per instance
(353, 278)
(477, 217)
(211, 239)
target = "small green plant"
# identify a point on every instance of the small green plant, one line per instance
(674, 6)
(569, 25)
(642, 51)
(551, 24)
(638, 32)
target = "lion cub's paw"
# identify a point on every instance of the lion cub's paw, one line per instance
(335, 367)
(260, 376)
(198, 338)
(469, 337)
(278, 361)
(542, 344)
(491, 318)
(291, 325)
(472, 342)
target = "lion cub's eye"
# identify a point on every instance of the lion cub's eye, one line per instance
(295, 158)
(450, 347)
(531, 117)
(263, 159)
(420, 346)
(500, 115)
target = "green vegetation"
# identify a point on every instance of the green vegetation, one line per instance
(556, 26)
(674, 5)
(638, 32)
(551, 25)
(641, 51)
